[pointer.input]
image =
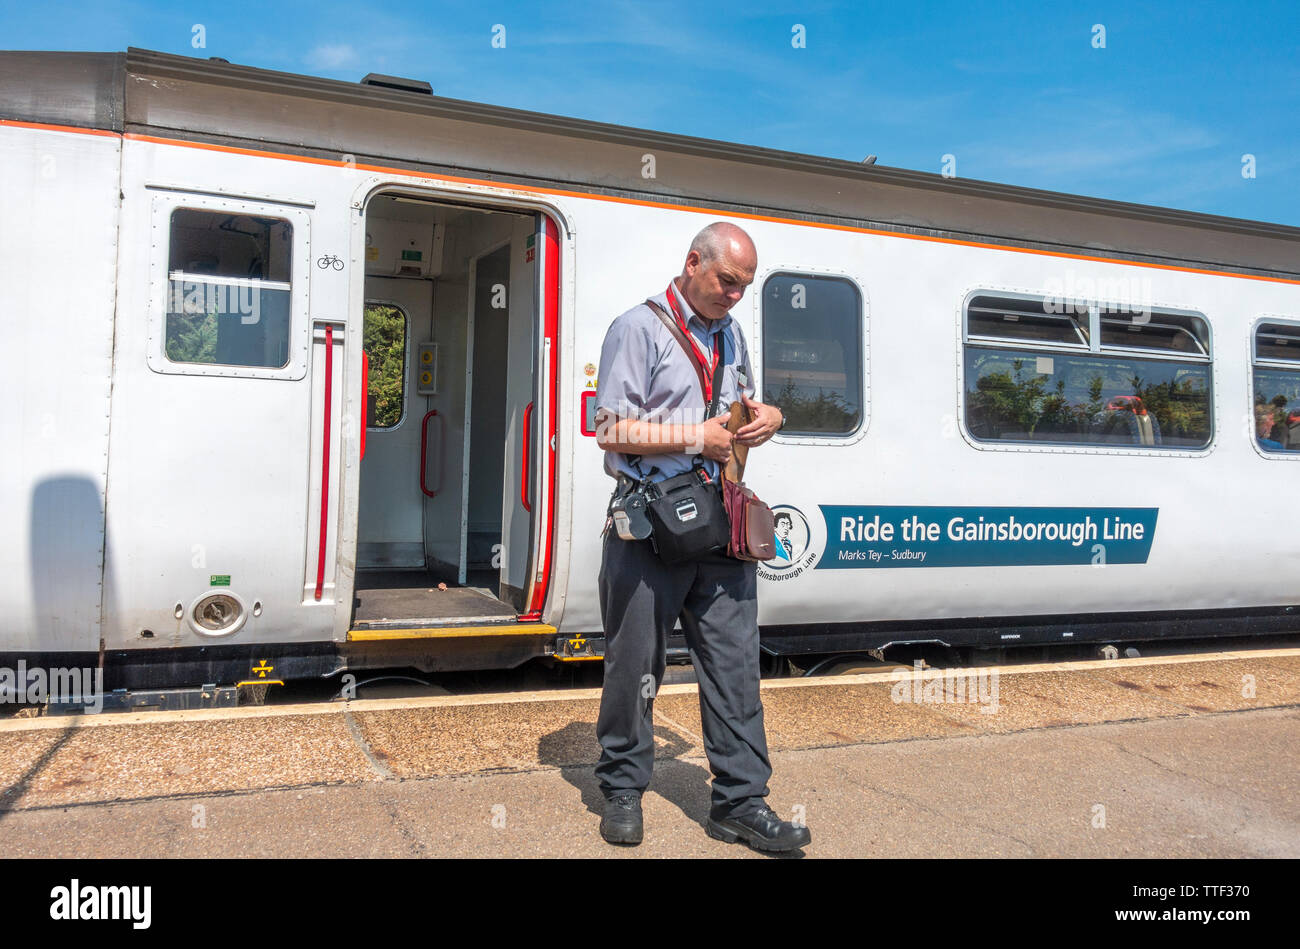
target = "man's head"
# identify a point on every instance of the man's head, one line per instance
(719, 266)
(784, 522)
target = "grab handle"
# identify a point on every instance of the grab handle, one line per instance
(424, 453)
(523, 468)
(365, 398)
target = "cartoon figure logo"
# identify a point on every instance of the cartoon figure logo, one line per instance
(797, 548)
(791, 536)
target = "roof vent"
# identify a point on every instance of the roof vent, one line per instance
(397, 82)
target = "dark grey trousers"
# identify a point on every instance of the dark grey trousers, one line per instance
(641, 598)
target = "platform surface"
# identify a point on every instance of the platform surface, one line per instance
(1142, 757)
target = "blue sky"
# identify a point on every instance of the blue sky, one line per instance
(1016, 92)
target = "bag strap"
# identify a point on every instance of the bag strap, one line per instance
(684, 343)
(668, 321)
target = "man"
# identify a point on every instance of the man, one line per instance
(651, 423)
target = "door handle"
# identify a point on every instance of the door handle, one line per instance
(365, 398)
(523, 468)
(424, 453)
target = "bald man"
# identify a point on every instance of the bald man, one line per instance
(653, 422)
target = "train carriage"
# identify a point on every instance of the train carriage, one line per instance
(303, 382)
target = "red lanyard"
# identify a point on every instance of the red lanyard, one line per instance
(709, 367)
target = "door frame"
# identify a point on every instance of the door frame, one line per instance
(548, 571)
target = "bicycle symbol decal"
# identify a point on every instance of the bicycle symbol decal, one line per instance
(329, 260)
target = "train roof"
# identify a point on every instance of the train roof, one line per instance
(210, 100)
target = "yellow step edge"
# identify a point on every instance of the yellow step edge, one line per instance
(451, 632)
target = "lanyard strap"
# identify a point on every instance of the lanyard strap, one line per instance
(710, 367)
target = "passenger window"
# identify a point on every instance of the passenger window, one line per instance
(228, 291)
(385, 344)
(1277, 387)
(812, 353)
(1008, 319)
(1144, 382)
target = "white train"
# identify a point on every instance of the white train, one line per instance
(330, 354)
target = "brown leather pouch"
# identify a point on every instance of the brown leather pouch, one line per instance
(753, 529)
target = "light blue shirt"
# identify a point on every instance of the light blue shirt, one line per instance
(645, 374)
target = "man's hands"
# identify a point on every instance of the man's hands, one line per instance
(715, 440)
(711, 438)
(765, 420)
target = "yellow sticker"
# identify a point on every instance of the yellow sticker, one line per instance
(372, 253)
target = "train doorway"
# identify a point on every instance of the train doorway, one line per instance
(453, 513)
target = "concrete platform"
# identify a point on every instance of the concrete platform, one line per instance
(1175, 756)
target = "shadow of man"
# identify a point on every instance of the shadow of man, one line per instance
(574, 750)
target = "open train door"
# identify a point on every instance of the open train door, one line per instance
(527, 504)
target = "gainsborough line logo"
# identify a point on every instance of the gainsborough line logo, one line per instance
(103, 902)
(795, 551)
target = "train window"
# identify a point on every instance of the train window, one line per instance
(1277, 342)
(1009, 318)
(1277, 387)
(1175, 333)
(385, 343)
(812, 352)
(1139, 381)
(228, 295)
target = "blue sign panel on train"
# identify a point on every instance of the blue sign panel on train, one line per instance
(914, 536)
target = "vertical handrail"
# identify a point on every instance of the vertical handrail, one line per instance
(523, 470)
(325, 460)
(424, 453)
(365, 398)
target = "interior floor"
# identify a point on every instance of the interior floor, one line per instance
(400, 599)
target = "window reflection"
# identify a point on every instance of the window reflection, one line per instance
(812, 353)
(1012, 395)
(1277, 410)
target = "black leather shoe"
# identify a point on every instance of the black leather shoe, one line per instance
(622, 821)
(762, 830)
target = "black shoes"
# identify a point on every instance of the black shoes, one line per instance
(622, 821)
(761, 829)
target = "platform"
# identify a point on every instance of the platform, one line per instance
(1195, 756)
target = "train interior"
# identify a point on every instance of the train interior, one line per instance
(444, 536)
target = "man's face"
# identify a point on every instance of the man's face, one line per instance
(717, 285)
